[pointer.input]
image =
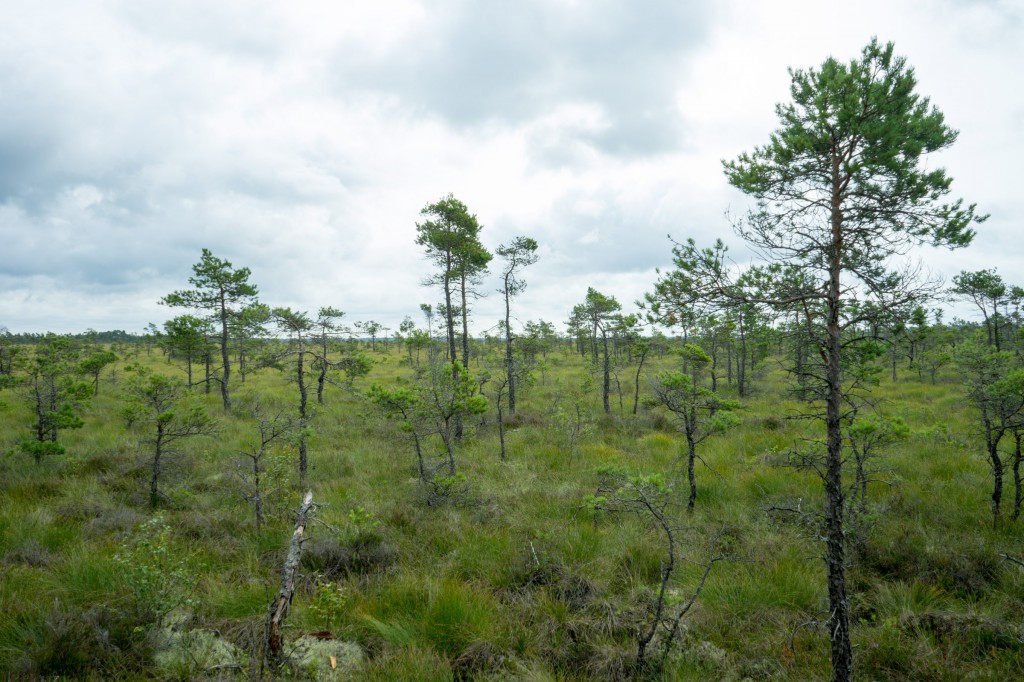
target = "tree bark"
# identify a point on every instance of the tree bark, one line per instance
(835, 545)
(154, 494)
(225, 357)
(282, 602)
(607, 373)
(303, 417)
(509, 367)
(1018, 457)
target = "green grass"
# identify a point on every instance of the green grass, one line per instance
(515, 579)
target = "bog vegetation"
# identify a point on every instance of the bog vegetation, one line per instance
(796, 470)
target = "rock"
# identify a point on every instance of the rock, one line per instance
(193, 654)
(326, 660)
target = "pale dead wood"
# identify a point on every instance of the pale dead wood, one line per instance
(282, 602)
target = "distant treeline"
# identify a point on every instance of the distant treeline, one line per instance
(114, 336)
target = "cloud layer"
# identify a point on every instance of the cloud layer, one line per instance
(303, 140)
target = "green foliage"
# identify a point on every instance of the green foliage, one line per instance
(38, 450)
(328, 603)
(53, 393)
(572, 414)
(155, 572)
(223, 292)
(355, 365)
(875, 427)
(362, 521)
(164, 403)
(169, 413)
(94, 363)
(521, 581)
(694, 354)
(448, 489)
(217, 284)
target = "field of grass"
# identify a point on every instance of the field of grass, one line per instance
(513, 576)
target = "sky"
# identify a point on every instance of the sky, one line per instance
(302, 140)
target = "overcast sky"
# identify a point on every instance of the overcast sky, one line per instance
(302, 139)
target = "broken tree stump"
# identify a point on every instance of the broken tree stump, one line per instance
(279, 607)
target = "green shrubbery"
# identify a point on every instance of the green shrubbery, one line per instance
(509, 571)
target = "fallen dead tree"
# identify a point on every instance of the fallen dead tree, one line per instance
(282, 602)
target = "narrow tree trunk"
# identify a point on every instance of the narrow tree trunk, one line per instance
(714, 366)
(636, 392)
(996, 462)
(419, 455)
(465, 323)
(728, 362)
(449, 319)
(835, 543)
(225, 357)
(893, 357)
(691, 458)
(207, 359)
(501, 426)
(282, 602)
(303, 418)
(509, 367)
(607, 374)
(1017, 459)
(154, 494)
(324, 365)
(645, 638)
(741, 374)
(448, 448)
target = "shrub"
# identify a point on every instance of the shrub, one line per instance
(76, 643)
(156, 577)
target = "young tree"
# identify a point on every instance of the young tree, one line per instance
(186, 337)
(986, 289)
(93, 365)
(449, 394)
(8, 352)
(164, 407)
(431, 405)
(995, 388)
(371, 327)
(404, 335)
(223, 292)
(650, 497)
(450, 235)
(868, 437)
(542, 337)
(599, 311)
(519, 253)
(354, 364)
(404, 404)
(52, 389)
(249, 329)
(298, 327)
(327, 326)
(417, 340)
(841, 191)
(700, 411)
(259, 479)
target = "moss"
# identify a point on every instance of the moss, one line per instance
(191, 654)
(326, 660)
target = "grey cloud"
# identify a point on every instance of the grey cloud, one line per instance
(478, 62)
(245, 29)
(613, 234)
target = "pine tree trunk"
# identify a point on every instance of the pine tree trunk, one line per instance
(835, 542)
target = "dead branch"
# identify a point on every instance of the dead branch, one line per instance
(280, 606)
